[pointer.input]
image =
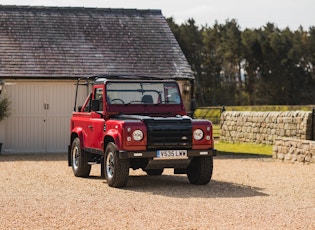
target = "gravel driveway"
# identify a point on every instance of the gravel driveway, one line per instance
(40, 192)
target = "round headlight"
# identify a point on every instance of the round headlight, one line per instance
(137, 135)
(198, 134)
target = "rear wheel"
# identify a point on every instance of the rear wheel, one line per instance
(200, 169)
(154, 172)
(79, 158)
(116, 170)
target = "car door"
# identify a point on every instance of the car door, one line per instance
(95, 127)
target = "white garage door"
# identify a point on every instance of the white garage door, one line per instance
(40, 119)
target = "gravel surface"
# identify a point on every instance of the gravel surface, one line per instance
(41, 192)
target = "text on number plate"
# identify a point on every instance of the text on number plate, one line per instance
(171, 154)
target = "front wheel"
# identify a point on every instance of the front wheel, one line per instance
(79, 159)
(200, 169)
(116, 170)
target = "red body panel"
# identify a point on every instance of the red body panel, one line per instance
(94, 127)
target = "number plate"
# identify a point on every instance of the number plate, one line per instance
(171, 154)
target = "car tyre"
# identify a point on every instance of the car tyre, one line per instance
(79, 160)
(116, 170)
(200, 169)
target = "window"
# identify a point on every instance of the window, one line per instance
(142, 93)
(99, 96)
(87, 104)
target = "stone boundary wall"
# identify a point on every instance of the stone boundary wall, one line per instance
(294, 150)
(265, 127)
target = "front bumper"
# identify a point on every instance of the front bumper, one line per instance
(153, 154)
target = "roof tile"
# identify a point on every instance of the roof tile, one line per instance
(75, 42)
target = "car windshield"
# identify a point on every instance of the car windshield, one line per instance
(142, 93)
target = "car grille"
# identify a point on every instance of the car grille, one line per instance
(169, 133)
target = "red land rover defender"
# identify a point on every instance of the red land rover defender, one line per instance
(138, 123)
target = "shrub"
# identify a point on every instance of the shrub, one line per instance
(4, 108)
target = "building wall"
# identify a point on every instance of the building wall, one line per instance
(186, 90)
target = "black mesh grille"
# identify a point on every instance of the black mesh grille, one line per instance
(169, 133)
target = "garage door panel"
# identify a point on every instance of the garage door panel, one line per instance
(60, 97)
(24, 134)
(58, 129)
(26, 98)
(40, 119)
(24, 128)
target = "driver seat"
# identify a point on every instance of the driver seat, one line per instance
(147, 99)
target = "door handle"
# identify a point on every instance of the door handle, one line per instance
(90, 126)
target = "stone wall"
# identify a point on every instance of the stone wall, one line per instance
(265, 127)
(294, 150)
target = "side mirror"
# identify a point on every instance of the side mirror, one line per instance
(95, 105)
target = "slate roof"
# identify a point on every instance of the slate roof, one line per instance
(65, 42)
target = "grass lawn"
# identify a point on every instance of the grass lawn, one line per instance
(216, 130)
(243, 148)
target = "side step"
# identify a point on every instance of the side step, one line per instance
(99, 161)
(96, 160)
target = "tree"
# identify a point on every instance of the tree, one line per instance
(189, 38)
(250, 67)
(251, 63)
(212, 65)
(231, 54)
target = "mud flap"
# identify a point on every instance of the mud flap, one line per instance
(69, 155)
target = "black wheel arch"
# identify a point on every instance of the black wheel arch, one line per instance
(108, 139)
(72, 137)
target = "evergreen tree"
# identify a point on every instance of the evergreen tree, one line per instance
(251, 67)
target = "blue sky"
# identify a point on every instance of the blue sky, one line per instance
(248, 13)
